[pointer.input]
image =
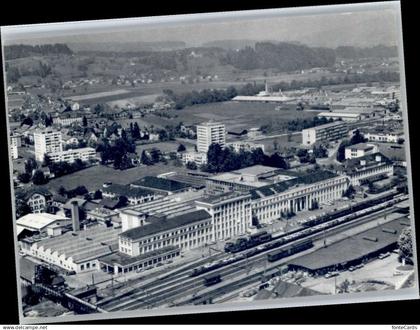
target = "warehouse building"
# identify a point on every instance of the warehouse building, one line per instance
(75, 251)
(352, 251)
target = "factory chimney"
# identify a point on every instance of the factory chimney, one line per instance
(75, 216)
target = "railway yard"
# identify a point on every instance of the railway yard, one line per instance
(224, 276)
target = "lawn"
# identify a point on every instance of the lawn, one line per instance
(235, 115)
(93, 178)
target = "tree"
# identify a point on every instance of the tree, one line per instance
(27, 121)
(97, 194)
(349, 193)
(62, 191)
(39, 178)
(136, 131)
(191, 165)
(181, 148)
(24, 177)
(320, 152)
(145, 159)
(84, 121)
(405, 244)
(341, 156)
(357, 138)
(30, 165)
(344, 286)
(47, 160)
(21, 208)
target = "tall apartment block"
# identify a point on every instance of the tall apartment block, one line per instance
(47, 141)
(208, 133)
(328, 132)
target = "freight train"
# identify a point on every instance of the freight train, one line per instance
(290, 250)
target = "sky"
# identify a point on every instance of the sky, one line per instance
(357, 25)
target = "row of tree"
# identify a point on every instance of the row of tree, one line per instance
(226, 159)
(210, 95)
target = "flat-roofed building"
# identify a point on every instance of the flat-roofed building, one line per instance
(245, 146)
(384, 136)
(186, 231)
(199, 158)
(47, 141)
(359, 150)
(209, 133)
(230, 214)
(245, 179)
(14, 151)
(345, 116)
(70, 156)
(327, 132)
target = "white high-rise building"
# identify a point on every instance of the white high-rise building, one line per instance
(209, 133)
(47, 141)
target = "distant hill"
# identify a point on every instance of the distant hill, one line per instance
(380, 51)
(282, 56)
(19, 51)
(127, 46)
(231, 44)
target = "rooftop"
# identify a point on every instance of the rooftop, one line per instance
(35, 190)
(353, 248)
(163, 224)
(38, 221)
(328, 125)
(355, 164)
(85, 244)
(160, 184)
(339, 114)
(280, 187)
(256, 170)
(127, 190)
(361, 146)
(223, 197)
(124, 260)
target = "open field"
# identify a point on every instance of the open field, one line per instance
(117, 92)
(107, 93)
(162, 146)
(93, 178)
(236, 116)
(134, 101)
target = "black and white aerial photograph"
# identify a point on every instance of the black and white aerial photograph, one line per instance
(181, 164)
